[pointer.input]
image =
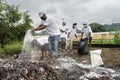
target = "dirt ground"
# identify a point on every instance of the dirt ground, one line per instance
(68, 66)
(110, 57)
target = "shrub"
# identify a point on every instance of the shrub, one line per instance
(103, 41)
(12, 48)
(1, 51)
(117, 37)
(100, 41)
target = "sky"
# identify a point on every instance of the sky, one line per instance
(79, 11)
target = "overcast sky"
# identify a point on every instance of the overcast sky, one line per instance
(100, 11)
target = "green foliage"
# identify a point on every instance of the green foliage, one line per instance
(1, 51)
(112, 27)
(97, 27)
(12, 48)
(26, 19)
(13, 23)
(99, 41)
(13, 16)
(103, 41)
(117, 37)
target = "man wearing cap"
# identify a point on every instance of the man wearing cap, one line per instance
(71, 33)
(53, 31)
(87, 32)
(63, 36)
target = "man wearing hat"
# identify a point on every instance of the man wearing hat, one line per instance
(71, 33)
(87, 33)
(63, 36)
(53, 31)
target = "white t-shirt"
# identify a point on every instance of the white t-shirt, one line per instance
(86, 31)
(42, 41)
(63, 35)
(51, 28)
(72, 33)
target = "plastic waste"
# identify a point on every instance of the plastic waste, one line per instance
(83, 47)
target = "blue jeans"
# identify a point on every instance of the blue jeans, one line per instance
(53, 42)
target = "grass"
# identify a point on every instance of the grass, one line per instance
(12, 48)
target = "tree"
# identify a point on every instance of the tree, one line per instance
(96, 27)
(3, 25)
(13, 23)
(27, 20)
(13, 15)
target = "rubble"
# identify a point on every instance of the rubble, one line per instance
(65, 68)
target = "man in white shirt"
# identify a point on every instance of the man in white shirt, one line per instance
(71, 33)
(53, 31)
(63, 35)
(87, 33)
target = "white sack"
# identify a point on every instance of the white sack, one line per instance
(96, 59)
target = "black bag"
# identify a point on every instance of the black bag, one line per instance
(83, 47)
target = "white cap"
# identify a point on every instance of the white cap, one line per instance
(41, 13)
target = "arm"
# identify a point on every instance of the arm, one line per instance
(76, 36)
(82, 35)
(62, 30)
(40, 27)
(68, 35)
(82, 32)
(89, 34)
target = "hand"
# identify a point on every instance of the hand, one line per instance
(32, 30)
(77, 39)
(81, 39)
(65, 32)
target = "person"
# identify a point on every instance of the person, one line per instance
(71, 33)
(53, 31)
(41, 45)
(63, 36)
(87, 32)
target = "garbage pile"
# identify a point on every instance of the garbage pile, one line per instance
(65, 68)
(19, 70)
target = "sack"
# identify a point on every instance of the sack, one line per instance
(83, 47)
(96, 59)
